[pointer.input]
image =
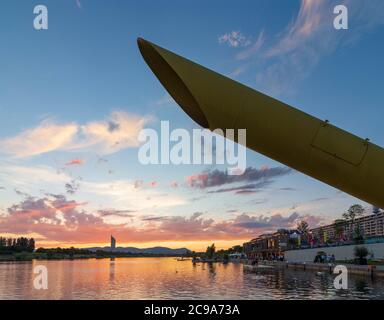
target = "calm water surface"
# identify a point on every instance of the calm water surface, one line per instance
(166, 278)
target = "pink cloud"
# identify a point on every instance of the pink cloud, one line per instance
(56, 218)
(75, 162)
(153, 184)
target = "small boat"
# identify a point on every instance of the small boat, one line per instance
(183, 259)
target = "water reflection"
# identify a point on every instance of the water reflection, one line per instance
(111, 270)
(166, 278)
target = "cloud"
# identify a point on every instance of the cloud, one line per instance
(154, 218)
(116, 213)
(138, 184)
(75, 162)
(174, 184)
(22, 177)
(290, 56)
(320, 199)
(287, 189)
(47, 137)
(217, 178)
(245, 189)
(153, 184)
(72, 186)
(119, 131)
(234, 39)
(260, 222)
(117, 193)
(253, 49)
(165, 100)
(54, 218)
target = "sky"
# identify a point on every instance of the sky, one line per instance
(74, 98)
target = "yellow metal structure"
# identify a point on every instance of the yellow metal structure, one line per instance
(274, 129)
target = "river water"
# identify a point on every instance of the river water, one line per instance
(167, 278)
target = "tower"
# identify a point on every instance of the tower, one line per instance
(113, 243)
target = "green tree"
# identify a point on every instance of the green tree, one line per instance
(211, 250)
(354, 212)
(302, 227)
(237, 248)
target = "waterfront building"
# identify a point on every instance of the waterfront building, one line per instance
(371, 226)
(273, 245)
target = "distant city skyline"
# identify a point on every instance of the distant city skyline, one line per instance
(74, 98)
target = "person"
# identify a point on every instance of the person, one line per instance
(333, 258)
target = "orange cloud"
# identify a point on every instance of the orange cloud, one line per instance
(119, 131)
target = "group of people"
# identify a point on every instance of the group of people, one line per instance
(271, 257)
(325, 258)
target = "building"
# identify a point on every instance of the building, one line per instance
(272, 245)
(371, 226)
(113, 243)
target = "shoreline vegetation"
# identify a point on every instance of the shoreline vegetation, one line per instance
(29, 256)
(23, 249)
(76, 254)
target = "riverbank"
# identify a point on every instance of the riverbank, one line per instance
(371, 271)
(29, 256)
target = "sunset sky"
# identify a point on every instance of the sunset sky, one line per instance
(73, 99)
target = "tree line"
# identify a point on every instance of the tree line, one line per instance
(11, 245)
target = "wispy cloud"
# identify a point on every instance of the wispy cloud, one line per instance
(234, 39)
(256, 46)
(118, 193)
(164, 101)
(290, 57)
(245, 189)
(116, 213)
(119, 131)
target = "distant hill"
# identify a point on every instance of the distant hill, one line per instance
(133, 250)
